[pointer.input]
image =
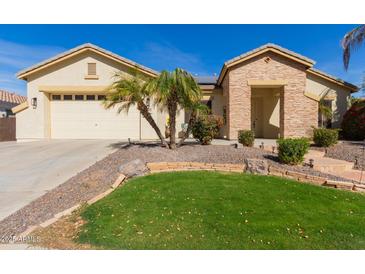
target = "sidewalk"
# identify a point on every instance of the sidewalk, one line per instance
(336, 167)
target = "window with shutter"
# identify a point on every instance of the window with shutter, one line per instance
(91, 69)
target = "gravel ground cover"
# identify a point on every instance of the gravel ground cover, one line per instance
(347, 151)
(100, 176)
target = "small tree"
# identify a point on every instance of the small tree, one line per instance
(127, 91)
(353, 122)
(195, 109)
(173, 90)
(325, 111)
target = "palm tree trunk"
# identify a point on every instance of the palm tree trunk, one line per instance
(146, 114)
(172, 123)
(190, 126)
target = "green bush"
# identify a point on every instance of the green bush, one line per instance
(353, 123)
(325, 137)
(292, 150)
(246, 137)
(205, 128)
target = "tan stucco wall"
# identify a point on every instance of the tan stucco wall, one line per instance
(35, 123)
(341, 96)
(299, 113)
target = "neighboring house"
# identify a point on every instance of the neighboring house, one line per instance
(8, 100)
(271, 90)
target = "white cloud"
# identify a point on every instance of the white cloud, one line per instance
(15, 57)
(20, 56)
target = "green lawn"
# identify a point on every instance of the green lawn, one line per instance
(209, 210)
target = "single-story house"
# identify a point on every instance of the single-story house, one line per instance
(271, 90)
(8, 100)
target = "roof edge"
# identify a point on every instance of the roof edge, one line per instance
(69, 53)
(269, 46)
(334, 79)
(20, 107)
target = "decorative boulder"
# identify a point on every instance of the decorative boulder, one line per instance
(257, 166)
(133, 168)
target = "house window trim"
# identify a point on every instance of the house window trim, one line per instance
(93, 75)
(72, 97)
(60, 97)
(83, 97)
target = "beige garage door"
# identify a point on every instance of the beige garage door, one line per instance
(83, 119)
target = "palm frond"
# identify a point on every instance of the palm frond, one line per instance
(325, 110)
(352, 41)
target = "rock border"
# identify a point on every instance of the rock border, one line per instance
(121, 178)
(157, 167)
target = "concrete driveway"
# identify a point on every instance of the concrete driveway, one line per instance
(28, 170)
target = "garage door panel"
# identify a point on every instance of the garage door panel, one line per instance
(89, 120)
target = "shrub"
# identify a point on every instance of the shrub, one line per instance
(325, 137)
(246, 137)
(205, 128)
(292, 150)
(353, 123)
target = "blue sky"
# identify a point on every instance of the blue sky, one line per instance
(201, 49)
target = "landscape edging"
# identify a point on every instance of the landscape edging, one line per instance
(121, 178)
(157, 167)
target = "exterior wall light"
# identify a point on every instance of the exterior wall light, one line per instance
(33, 102)
(148, 103)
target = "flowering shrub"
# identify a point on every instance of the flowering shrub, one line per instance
(353, 123)
(206, 127)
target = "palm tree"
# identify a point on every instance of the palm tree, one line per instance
(194, 109)
(174, 90)
(325, 111)
(127, 91)
(352, 41)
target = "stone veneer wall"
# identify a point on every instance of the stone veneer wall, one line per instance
(298, 112)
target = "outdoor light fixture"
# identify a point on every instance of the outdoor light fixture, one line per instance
(262, 146)
(34, 102)
(311, 163)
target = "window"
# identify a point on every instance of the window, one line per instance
(67, 97)
(56, 97)
(90, 97)
(101, 97)
(79, 97)
(91, 69)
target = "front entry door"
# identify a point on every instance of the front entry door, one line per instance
(257, 116)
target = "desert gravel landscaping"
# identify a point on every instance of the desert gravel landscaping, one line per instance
(100, 176)
(348, 151)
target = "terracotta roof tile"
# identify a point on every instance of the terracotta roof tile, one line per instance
(11, 97)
